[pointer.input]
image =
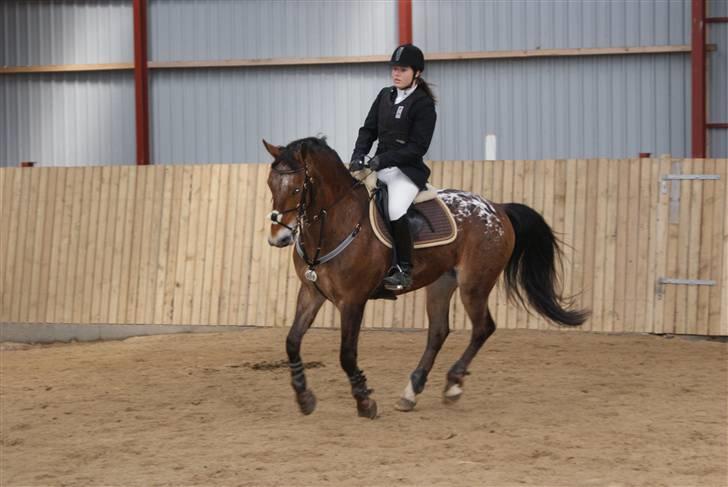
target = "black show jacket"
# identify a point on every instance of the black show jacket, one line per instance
(404, 131)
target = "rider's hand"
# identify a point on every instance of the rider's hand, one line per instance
(357, 164)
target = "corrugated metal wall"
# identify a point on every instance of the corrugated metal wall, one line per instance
(718, 78)
(65, 32)
(611, 106)
(504, 25)
(66, 119)
(187, 30)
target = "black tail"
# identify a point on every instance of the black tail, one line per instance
(532, 267)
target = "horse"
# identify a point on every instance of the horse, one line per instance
(319, 207)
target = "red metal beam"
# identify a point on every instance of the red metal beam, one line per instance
(698, 116)
(141, 82)
(717, 125)
(716, 20)
(405, 21)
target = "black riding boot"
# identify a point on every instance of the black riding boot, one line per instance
(400, 277)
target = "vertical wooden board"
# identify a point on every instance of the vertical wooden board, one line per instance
(592, 230)
(98, 233)
(569, 228)
(243, 262)
(74, 283)
(221, 217)
(229, 243)
(579, 251)
(117, 308)
(498, 303)
(194, 235)
(683, 249)
(199, 218)
(84, 271)
(6, 203)
(178, 308)
(257, 298)
(231, 313)
(173, 184)
(658, 302)
(628, 257)
(643, 252)
(40, 185)
(694, 223)
(467, 179)
(549, 181)
(624, 232)
(723, 207)
(210, 211)
(109, 208)
(270, 261)
(162, 262)
(110, 242)
(16, 258)
(509, 310)
(156, 239)
(55, 290)
(49, 205)
(718, 302)
(601, 246)
(707, 267)
(136, 224)
(524, 191)
(611, 246)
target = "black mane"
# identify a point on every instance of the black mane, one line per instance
(288, 160)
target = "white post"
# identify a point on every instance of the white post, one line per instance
(490, 146)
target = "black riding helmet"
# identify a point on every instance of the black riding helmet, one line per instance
(408, 55)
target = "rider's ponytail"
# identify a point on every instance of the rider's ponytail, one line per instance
(421, 83)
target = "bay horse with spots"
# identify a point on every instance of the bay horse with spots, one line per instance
(323, 210)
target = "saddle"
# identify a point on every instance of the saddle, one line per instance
(431, 222)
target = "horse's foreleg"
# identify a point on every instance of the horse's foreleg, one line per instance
(351, 316)
(476, 305)
(439, 294)
(309, 302)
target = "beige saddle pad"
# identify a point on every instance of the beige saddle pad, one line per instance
(432, 209)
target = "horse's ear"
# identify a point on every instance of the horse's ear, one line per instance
(273, 150)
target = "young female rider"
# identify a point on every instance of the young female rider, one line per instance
(403, 118)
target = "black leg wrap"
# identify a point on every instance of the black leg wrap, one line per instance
(358, 383)
(298, 378)
(419, 379)
(457, 372)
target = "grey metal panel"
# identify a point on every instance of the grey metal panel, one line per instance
(493, 25)
(65, 32)
(221, 115)
(562, 107)
(184, 30)
(538, 109)
(718, 80)
(67, 119)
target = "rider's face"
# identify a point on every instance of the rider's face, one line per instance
(402, 76)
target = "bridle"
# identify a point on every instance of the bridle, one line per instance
(302, 218)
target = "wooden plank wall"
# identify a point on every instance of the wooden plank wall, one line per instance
(187, 245)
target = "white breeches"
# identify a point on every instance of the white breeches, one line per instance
(402, 191)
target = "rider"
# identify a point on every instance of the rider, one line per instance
(403, 118)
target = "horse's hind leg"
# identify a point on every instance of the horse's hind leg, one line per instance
(439, 294)
(309, 302)
(475, 300)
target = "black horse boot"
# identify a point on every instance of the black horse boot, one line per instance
(400, 277)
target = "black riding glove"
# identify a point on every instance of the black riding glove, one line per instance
(357, 164)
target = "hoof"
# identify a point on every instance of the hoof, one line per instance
(306, 402)
(404, 405)
(452, 393)
(367, 409)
